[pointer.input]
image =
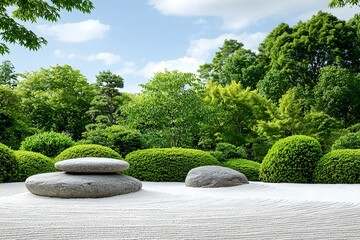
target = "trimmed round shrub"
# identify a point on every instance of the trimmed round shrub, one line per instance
(291, 160)
(119, 138)
(166, 164)
(31, 163)
(250, 168)
(9, 167)
(339, 166)
(348, 141)
(87, 150)
(225, 151)
(48, 143)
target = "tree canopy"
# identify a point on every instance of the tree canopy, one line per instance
(11, 31)
(343, 3)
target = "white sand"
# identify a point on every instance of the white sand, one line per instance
(172, 211)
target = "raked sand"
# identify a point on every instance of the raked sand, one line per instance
(173, 211)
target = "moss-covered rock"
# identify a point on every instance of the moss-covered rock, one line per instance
(339, 166)
(87, 150)
(292, 160)
(249, 168)
(166, 164)
(31, 163)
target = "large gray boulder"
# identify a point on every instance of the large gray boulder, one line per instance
(67, 185)
(92, 165)
(214, 177)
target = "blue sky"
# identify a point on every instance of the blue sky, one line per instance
(135, 38)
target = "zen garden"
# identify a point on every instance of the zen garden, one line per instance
(254, 145)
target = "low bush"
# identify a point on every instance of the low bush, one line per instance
(339, 166)
(226, 151)
(119, 138)
(31, 163)
(166, 164)
(348, 141)
(87, 150)
(48, 143)
(9, 167)
(250, 168)
(292, 159)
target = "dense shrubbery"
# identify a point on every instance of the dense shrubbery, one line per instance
(121, 139)
(8, 165)
(225, 151)
(339, 166)
(48, 143)
(292, 159)
(348, 141)
(87, 150)
(250, 168)
(166, 164)
(31, 163)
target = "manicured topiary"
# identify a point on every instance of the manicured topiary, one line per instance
(48, 143)
(31, 163)
(230, 151)
(339, 166)
(250, 168)
(292, 159)
(166, 164)
(348, 141)
(9, 167)
(87, 150)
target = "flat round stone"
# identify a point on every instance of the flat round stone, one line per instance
(92, 165)
(69, 185)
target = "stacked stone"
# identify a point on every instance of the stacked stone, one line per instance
(84, 178)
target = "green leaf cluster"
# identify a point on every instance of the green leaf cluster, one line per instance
(119, 138)
(14, 32)
(166, 164)
(48, 143)
(348, 141)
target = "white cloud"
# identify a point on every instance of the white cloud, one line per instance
(106, 57)
(237, 14)
(75, 32)
(200, 21)
(61, 54)
(199, 52)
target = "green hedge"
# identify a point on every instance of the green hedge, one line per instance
(339, 166)
(31, 163)
(250, 168)
(9, 167)
(48, 143)
(166, 164)
(292, 160)
(87, 150)
(348, 141)
(226, 151)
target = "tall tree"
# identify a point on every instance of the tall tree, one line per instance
(169, 110)
(7, 74)
(234, 112)
(338, 94)
(107, 100)
(302, 51)
(14, 32)
(57, 99)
